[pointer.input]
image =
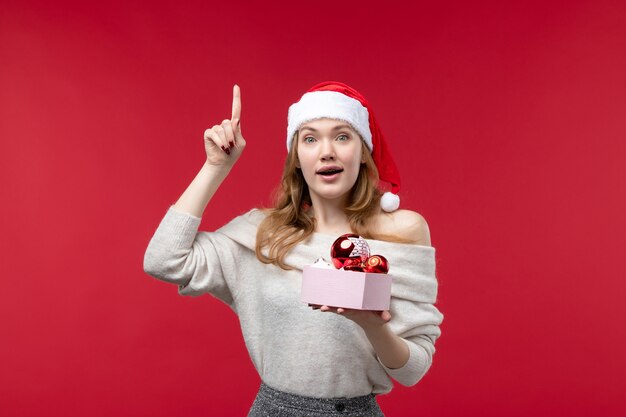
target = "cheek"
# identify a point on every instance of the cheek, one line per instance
(305, 164)
(300, 158)
(355, 162)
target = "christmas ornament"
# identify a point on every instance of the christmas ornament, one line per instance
(349, 250)
(322, 263)
(377, 264)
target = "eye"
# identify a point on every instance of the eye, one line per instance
(308, 139)
(345, 137)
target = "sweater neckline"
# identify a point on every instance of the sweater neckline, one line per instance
(323, 237)
(252, 219)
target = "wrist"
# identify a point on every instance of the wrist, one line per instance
(216, 170)
(375, 331)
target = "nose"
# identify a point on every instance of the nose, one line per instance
(327, 151)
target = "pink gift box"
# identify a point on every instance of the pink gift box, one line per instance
(347, 289)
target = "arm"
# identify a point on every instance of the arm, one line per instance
(177, 252)
(198, 194)
(391, 350)
(223, 145)
(404, 352)
(407, 361)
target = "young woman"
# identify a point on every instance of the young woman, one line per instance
(311, 359)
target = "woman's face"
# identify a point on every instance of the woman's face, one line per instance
(331, 146)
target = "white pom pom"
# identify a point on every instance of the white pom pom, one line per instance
(390, 202)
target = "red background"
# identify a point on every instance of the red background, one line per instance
(507, 121)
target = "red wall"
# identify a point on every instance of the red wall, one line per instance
(507, 120)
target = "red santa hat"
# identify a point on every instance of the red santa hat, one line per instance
(336, 100)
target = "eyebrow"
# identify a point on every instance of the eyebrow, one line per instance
(333, 129)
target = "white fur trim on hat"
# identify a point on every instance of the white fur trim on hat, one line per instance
(331, 104)
(390, 202)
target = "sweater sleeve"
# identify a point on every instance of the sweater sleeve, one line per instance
(420, 338)
(179, 254)
(414, 316)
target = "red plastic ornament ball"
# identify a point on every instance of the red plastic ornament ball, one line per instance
(377, 264)
(349, 250)
(354, 265)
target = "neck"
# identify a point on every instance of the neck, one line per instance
(329, 216)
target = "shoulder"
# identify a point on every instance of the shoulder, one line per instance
(255, 215)
(407, 224)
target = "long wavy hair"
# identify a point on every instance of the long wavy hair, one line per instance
(287, 223)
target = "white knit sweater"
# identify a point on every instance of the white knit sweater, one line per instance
(293, 347)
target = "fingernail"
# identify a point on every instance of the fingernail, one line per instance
(231, 143)
(227, 151)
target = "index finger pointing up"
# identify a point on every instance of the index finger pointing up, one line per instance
(236, 102)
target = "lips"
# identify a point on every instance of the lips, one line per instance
(329, 170)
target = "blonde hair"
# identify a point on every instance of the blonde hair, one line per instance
(287, 223)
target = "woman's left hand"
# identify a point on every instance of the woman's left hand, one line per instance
(364, 318)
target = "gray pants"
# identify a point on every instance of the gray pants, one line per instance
(270, 402)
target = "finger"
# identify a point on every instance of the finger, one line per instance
(236, 113)
(215, 141)
(228, 132)
(237, 128)
(386, 315)
(212, 137)
(208, 133)
(223, 143)
(329, 308)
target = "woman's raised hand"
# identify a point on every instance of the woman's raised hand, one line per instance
(224, 143)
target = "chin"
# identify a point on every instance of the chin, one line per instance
(331, 196)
